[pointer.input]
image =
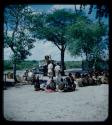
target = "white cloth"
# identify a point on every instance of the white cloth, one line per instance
(50, 70)
(57, 68)
(57, 73)
(50, 67)
(30, 74)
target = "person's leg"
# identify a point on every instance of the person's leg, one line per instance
(74, 87)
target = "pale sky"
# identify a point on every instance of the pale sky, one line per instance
(46, 48)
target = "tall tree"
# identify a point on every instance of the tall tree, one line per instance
(16, 34)
(86, 39)
(52, 27)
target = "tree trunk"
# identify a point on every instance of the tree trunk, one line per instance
(14, 72)
(87, 62)
(62, 61)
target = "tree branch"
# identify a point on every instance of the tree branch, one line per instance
(75, 9)
(15, 29)
(65, 47)
(54, 41)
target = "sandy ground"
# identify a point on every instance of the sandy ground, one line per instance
(22, 103)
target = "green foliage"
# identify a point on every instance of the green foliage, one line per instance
(85, 37)
(8, 65)
(16, 33)
(21, 66)
(51, 26)
(73, 64)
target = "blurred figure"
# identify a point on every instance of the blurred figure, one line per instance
(95, 78)
(58, 72)
(61, 84)
(25, 75)
(78, 79)
(36, 83)
(50, 69)
(30, 75)
(70, 86)
(85, 80)
(51, 85)
(90, 80)
(104, 78)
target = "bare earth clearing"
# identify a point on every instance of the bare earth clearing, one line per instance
(22, 103)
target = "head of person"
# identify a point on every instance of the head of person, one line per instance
(26, 70)
(77, 75)
(34, 76)
(70, 74)
(61, 79)
(57, 63)
(68, 79)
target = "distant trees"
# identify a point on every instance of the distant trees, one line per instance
(16, 34)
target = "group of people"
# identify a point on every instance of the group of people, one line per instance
(91, 78)
(68, 83)
(64, 84)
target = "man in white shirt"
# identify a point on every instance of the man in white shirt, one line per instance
(58, 72)
(50, 70)
(30, 75)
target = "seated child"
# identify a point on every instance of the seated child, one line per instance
(61, 85)
(51, 85)
(37, 84)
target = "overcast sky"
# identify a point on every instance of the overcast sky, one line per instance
(47, 48)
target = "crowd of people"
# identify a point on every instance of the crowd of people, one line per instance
(69, 82)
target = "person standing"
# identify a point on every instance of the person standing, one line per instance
(30, 75)
(25, 76)
(50, 69)
(58, 72)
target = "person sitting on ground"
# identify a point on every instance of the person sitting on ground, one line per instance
(61, 84)
(70, 83)
(36, 83)
(95, 78)
(69, 87)
(51, 85)
(78, 79)
(33, 79)
(104, 78)
(99, 77)
(71, 78)
(90, 80)
(85, 80)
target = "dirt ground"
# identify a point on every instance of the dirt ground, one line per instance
(22, 103)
